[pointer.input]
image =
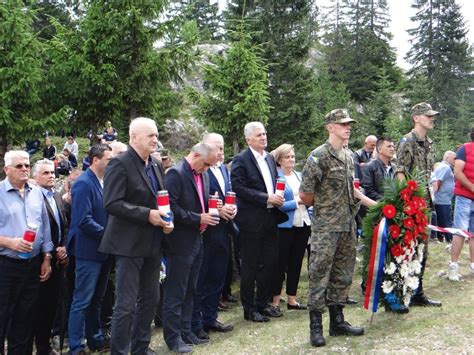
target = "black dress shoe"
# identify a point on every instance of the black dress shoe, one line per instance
(180, 347)
(230, 298)
(273, 312)
(191, 339)
(201, 334)
(351, 301)
(254, 316)
(422, 300)
(218, 327)
(296, 306)
(222, 306)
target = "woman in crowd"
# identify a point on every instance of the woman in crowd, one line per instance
(294, 233)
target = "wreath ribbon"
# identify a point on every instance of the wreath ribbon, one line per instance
(376, 264)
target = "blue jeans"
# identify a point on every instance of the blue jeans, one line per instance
(464, 213)
(84, 316)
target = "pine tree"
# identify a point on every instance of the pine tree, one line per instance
(237, 90)
(441, 54)
(109, 69)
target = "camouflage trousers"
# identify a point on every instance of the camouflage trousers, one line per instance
(331, 267)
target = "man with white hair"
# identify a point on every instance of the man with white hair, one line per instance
(22, 208)
(188, 188)
(253, 179)
(443, 188)
(134, 234)
(47, 303)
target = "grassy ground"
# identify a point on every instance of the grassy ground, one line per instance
(424, 330)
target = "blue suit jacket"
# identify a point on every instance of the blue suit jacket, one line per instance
(186, 207)
(215, 187)
(88, 218)
(290, 204)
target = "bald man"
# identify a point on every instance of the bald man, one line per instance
(134, 234)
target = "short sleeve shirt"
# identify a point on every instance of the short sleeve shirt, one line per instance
(444, 194)
(328, 175)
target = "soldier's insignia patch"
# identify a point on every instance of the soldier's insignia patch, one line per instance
(403, 140)
(314, 159)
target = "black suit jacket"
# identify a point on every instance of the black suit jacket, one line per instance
(186, 207)
(249, 186)
(128, 198)
(55, 229)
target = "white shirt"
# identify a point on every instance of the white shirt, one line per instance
(216, 170)
(265, 170)
(73, 148)
(301, 216)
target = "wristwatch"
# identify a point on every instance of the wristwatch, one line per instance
(48, 255)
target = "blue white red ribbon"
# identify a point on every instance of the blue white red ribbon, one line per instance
(376, 264)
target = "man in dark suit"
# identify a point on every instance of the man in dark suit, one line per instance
(216, 250)
(253, 179)
(131, 184)
(88, 221)
(188, 189)
(47, 302)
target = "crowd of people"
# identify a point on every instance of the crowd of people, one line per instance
(257, 211)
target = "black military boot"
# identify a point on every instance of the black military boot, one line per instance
(337, 324)
(316, 328)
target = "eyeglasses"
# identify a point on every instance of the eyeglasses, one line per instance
(19, 166)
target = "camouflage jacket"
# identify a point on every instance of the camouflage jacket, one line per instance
(415, 153)
(330, 179)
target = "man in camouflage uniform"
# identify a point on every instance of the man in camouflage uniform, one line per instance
(415, 152)
(327, 184)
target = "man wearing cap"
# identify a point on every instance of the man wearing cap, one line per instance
(327, 182)
(415, 152)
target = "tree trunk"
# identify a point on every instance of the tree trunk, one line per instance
(3, 150)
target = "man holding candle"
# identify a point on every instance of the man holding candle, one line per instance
(253, 177)
(188, 188)
(20, 205)
(134, 234)
(216, 247)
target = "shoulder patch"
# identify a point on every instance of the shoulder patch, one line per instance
(314, 159)
(403, 140)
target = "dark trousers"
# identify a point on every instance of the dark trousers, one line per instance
(179, 291)
(45, 311)
(259, 259)
(444, 219)
(293, 243)
(19, 286)
(136, 298)
(212, 276)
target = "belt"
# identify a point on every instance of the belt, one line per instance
(21, 261)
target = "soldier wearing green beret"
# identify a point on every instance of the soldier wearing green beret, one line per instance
(327, 185)
(415, 151)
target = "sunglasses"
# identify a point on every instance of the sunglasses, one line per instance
(19, 166)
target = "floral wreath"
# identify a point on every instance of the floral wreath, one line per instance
(406, 214)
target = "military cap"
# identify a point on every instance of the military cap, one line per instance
(338, 115)
(423, 108)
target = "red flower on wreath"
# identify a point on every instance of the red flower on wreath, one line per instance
(410, 208)
(408, 223)
(405, 194)
(396, 250)
(394, 231)
(408, 237)
(412, 185)
(389, 211)
(418, 201)
(424, 236)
